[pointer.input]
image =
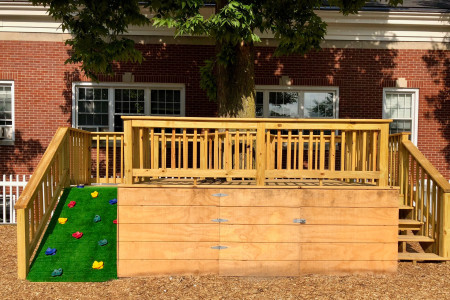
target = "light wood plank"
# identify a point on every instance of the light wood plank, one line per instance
(167, 250)
(136, 268)
(307, 197)
(167, 196)
(309, 251)
(169, 233)
(167, 214)
(312, 215)
(307, 233)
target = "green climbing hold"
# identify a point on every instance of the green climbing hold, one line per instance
(102, 242)
(97, 219)
(57, 272)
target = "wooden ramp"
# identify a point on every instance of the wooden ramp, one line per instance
(256, 231)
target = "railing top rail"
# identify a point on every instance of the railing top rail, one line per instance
(260, 120)
(399, 134)
(427, 166)
(105, 133)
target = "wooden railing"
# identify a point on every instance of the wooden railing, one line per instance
(423, 188)
(256, 149)
(63, 163)
(106, 157)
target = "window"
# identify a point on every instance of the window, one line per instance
(127, 102)
(93, 109)
(296, 102)
(400, 105)
(99, 107)
(7, 112)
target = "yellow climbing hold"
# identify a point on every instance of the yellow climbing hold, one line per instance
(97, 265)
(62, 220)
(94, 194)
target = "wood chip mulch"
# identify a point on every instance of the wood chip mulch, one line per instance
(421, 281)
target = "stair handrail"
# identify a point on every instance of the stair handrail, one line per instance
(424, 189)
(427, 165)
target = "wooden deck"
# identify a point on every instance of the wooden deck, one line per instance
(222, 183)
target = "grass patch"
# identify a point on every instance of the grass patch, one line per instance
(74, 256)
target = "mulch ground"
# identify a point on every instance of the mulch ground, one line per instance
(423, 281)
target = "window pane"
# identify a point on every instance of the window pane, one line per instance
(81, 93)
(283, 104)
(5, 106)
(97, 94)
(319, 105)
(259, 102)
(165, 102)
(93, 108)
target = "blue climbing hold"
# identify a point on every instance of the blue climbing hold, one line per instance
(113, 201)
(97, 219)
(102, 242)
(57, 272)
(80, 186)
(50, 251)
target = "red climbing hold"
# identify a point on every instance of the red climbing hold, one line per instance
(71, 204)
(77, 235)
(115, 221)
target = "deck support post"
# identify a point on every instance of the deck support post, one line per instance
(444, 239)
(261, 154)
(128, 151)
(383, 163)
(23, 234)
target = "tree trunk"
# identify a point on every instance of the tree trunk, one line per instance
(236, 84)
(236, 81)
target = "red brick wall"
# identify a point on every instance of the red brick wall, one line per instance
(43, 88)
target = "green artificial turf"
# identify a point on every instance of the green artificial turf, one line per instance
(74, 256)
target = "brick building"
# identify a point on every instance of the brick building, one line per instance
(381, 63)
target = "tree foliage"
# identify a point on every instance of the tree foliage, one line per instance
(97, 28)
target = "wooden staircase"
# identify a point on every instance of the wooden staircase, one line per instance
(412, 244)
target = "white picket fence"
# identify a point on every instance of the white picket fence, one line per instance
(10, 189)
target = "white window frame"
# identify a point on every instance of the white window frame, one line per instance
(111, 86)
(301, 90)
(414, 107)
(10, 142)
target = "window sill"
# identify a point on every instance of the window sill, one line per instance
(6, 143)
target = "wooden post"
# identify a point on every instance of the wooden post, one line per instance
(402, 165)
(88, 142)
(384, 155)
(128, 151)
(261, 154)
(23, 233)
(444, 234)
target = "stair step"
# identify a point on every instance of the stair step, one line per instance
(405, 224)
(414, 238)
(405, 207)
(420, 257)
